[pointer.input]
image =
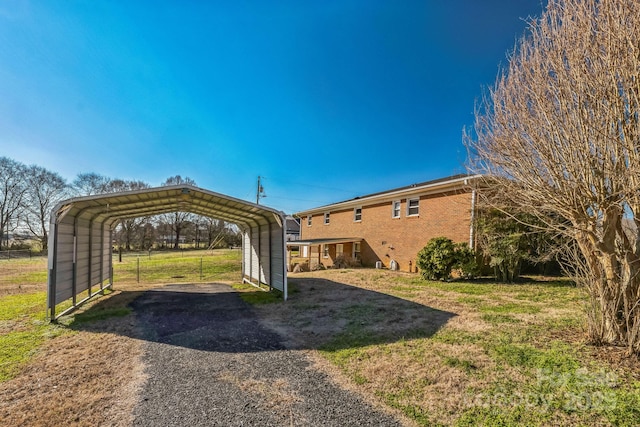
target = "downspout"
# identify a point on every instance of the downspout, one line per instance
(472, 228)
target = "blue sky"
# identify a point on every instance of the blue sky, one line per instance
(327, 100)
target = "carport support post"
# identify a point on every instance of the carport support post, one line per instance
(270, 260)
(52, 269)
(138, 270)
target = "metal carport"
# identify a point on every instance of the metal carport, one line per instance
(81, 236)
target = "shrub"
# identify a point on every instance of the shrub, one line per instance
(466, 261)
(441, 255)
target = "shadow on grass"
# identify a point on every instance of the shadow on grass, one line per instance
(320, 314)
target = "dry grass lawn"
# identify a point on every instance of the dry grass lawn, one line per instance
(440, 353)
(462, 353)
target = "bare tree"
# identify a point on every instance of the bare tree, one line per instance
(44, 190)
(178, 220)
(12, 195)
(129, 227)
(88, 184)
(561, 127)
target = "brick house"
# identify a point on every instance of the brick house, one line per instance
(387, 229)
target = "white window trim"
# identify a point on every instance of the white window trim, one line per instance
(354, 214)
(309, 220)
(409, 206)
(327, 218)
(353, 250)
(393, 209)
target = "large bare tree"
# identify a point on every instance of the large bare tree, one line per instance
(44, 190)
(12, 196)
(561, 131)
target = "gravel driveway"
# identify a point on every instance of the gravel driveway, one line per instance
(210, 362)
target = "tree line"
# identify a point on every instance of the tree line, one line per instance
(28, 194)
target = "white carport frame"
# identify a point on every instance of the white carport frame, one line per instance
(81, 237)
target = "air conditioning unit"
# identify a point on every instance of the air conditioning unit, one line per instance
(378, 264)
(393, 265)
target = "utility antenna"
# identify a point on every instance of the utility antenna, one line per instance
(260, 191)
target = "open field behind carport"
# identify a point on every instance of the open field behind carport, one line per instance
(441, 353)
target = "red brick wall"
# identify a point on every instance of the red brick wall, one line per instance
(400, 239)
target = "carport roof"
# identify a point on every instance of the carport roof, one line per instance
(112, 207)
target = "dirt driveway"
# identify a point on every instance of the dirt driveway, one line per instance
(210, 361)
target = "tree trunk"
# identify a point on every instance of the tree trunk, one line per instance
(613, 283)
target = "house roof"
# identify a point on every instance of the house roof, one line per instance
(435, 186)
(293, 226)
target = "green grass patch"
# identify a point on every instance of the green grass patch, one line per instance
(20, 305)
(456, 336)
(463, 364)
(254, 296)
(496, 319)
(17, 348)
(261, 297)
(510, 308)
(94, 315)
(179, 266)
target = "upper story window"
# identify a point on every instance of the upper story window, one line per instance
(327, 218)
(357, 214)
(395, 209)
(413, 207)
(309, 217)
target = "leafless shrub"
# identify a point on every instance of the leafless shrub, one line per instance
(561, 132)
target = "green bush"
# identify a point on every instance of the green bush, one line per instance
(441, 255)
(466, 261)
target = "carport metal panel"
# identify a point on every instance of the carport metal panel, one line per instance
(81, 236)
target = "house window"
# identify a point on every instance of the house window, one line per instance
(327, 218)
(395, 210)
(356, 250)
(357, 214)
(309, 220)
(339, 250)
(413, 207)
(325, 251)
